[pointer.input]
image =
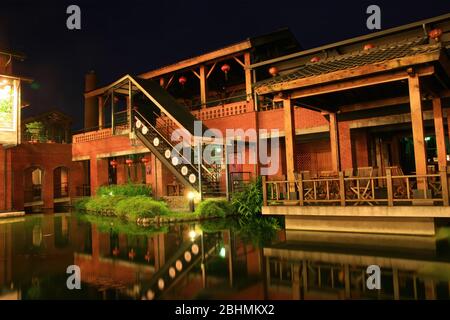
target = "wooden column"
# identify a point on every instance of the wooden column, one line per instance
(248, 76)
(101, 117)
(289, 130)
(440, 133)
(334, 143)
(203, 87)
(417, 129)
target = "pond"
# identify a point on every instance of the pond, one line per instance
(215, 260)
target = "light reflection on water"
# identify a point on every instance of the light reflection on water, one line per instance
(216, 260)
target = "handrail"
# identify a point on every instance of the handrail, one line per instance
(360, 189)
(143, 118)
(165, 138)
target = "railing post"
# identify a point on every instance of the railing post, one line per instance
(300, 187)
(342, 188)
(264, 189)
(444, 185)
(390, 194)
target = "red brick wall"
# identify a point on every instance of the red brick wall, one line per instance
(48, 157)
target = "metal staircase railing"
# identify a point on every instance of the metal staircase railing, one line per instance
(184, 169)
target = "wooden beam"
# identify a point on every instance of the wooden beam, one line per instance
(381, 103)
(417, 129)
(248, 76)
(350, 73)
(334, 143)
(169, 82)
(289, 129)
(211, 70)
(233, 49)
(101, 120)
(440, 133)
(239, 61)
(203, 86)
(358, 83)
(196, 74)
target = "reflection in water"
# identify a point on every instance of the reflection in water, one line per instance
(214, 260)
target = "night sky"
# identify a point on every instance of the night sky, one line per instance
(131, 36)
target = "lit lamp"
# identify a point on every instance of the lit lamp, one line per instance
(191, 196)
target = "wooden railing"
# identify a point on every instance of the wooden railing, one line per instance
(388, 190)
(230, 109)
(92, 135)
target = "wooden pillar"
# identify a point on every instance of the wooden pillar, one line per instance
(417, 129)
(334, 143)
(248, 76)
(289, 130)
(440, 133)
(203, 86)
(101, 117)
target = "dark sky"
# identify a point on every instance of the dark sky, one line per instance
(132, 36)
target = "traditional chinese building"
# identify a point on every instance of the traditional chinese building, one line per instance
(361, 123)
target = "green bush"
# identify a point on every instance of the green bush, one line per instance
(214, 208)
(127, 190)
(248, 203)
(102, 203)
(140, 207)
(80, 204)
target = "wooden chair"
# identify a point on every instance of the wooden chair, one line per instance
(362, 190)
(308, 186)
(399, 185)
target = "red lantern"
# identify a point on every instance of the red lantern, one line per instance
(182, 80)
(368, 46)
(115, 252)
(129, 162)
(435, 34)
(162, 82)
(144, 161)
(147, 256)
(113, 163)
(131, 254)
(273, 71)
(315, 59)
(225, 69)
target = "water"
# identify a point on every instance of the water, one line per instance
(215, 260)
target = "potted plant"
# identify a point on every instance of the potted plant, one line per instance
(36, 131)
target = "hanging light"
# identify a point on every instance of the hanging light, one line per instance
(162, 82)
(129, 162)
(144, 161)
(435, 34)
(368, 46)
(225, 69)
(113, 163)
(182, 80)
(273, 71)
(131, 254)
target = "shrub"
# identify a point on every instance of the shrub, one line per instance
(140, 207)
(128, 190)
(102, 203)
(80, 204)
(248, 203)
(214, 208)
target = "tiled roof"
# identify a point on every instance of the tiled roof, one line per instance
(391, 51)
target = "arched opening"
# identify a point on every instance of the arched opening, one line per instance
(60, 182)
(33, 184)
